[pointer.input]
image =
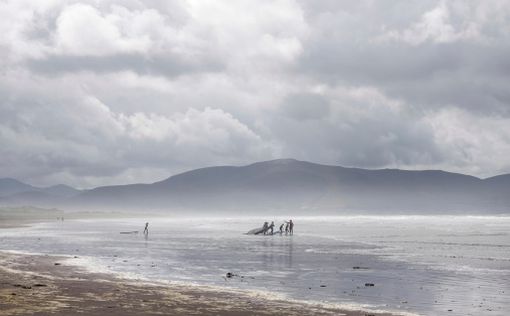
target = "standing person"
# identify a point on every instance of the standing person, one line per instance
(291, 227)
(146, 230)
(265, 228)
(281, 228)
(271, 227)
(286, 228)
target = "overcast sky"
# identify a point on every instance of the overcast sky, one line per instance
(107, 92)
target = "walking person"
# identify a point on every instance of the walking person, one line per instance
(146, 230)
(281, 228)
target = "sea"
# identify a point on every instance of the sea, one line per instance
(423, 265)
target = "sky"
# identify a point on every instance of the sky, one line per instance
(110, 92)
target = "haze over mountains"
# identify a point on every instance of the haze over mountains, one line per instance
(283, 186)
(12, 189)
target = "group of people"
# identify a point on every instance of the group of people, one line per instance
(268, 229)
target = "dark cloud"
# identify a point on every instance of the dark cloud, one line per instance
(356, 133)
(302, 106)
(439, 75)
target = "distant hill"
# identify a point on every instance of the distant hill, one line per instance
(61, 190)
(288, 186)
(14, 192)
(10, 186)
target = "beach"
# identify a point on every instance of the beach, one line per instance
(47, 284)
(350, 265)
(253, 157)
(43, 285)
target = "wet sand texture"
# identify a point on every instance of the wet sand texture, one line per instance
(45, 285)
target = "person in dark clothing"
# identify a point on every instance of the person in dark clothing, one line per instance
(291, 227)
(271, 227)
(281, 228)
(146, 230)
(286, 228)
(265, 228)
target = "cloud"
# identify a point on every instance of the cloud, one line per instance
(440, 53)
(363, 128)
(122, 91)
(164, 65)
(476, 144)
(83, 30)
(435, 25)
(306, 106)
(75, 135)
(87, 139)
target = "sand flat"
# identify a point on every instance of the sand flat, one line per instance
(34, 285)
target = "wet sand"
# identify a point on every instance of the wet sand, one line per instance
(44, 285)
(14, 217)
(15, 223)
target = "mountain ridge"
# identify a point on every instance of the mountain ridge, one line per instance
(10, 187)
(304, 187)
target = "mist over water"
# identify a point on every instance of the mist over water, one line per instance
(422, 264)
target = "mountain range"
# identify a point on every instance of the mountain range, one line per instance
(283, 186)
(12, 189)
